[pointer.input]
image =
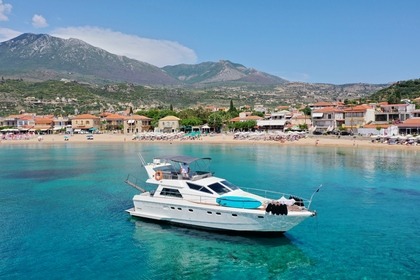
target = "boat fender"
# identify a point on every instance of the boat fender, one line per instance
(276, 209)
(283, 209)
(298, 201)
(269, 208)
(158, 175)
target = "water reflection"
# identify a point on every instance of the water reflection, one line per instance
(180, 253)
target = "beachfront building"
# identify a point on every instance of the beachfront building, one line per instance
(169, 124)
(61, 123)
(322, 104)
(327, 119)
(388, 113)
(112, 122)
(416, 114)
(135, 124)
(44, 124)
(301, 119)
(357, 116)
(245, 116)
(410, 126)
(275, 121)
(9, 121)
(24, 122)
(85, 123)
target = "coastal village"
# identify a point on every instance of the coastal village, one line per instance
(389, 123)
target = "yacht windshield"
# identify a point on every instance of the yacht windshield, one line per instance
(230, 185)
(218, 188)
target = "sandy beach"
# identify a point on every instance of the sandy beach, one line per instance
(321, 141)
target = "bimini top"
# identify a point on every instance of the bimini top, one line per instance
(182, 159)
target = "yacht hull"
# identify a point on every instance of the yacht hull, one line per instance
(215, 217)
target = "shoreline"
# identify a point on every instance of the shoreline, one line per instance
(320, 141)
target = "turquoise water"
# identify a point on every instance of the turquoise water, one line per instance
(62, 215)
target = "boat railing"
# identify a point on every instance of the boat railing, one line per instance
(273, 195)
(172, 175)
(133, 182)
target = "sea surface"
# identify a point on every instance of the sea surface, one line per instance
(62, 214)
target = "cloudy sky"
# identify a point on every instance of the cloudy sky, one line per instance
(302, 40)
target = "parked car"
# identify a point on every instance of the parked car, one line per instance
(343, 132)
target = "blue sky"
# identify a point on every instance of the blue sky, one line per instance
(312, 41)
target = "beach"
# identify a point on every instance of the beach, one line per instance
(222, 138)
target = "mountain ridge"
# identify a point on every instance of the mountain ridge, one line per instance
(28, 54)
(42, 57)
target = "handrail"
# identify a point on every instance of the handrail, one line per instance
(143, 162)
(133, 184)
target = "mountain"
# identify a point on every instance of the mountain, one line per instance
(222, 72)
(44, 57)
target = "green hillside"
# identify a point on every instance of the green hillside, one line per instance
(63, 98)
(400, 90)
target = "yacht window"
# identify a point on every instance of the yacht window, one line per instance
(171, 192)
(229, 185)
(219, 188)
(198, 188)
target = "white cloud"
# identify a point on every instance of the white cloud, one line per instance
(156, 52)
(5, 9)
(7, 34)
(39, 21)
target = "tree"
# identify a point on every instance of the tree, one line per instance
(243, 126)
(307, 111)
(215, 121)
(192, 121)
(232, 108)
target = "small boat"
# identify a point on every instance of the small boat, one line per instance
(200, 199)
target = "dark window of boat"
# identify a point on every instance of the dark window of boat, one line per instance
(171, 192)
(235, 215)
(219, 188)
(190, 210)
(230, 185)
(217, 213)
(209, 212)
(198, 188)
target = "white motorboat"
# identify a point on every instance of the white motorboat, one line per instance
(197, 198)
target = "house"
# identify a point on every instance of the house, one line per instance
(260, 108)
(410, 126)
(61, 123)
(245, 116)
(136, 124)
(113, 122)
(44, 124)
(275, 121)
(85, 123)
(327, 119)
(357, 116)
(25, 122)
(169, 124)
(416, 113)
(323, 104)
(387, 113)
(300, 119)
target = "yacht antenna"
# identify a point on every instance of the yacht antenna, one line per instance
(310, 200)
